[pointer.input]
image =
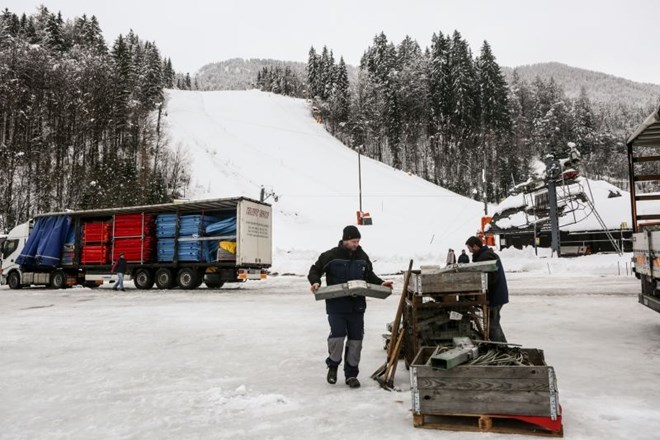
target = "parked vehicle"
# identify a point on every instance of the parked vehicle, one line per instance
(644, 173)
(170, 245)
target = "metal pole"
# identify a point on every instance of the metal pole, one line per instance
(552, 173)
(483, 179)
(554, 222)
(360, 177)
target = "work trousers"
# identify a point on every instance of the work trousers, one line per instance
(495, 331)
(349, 326)
(119, 284)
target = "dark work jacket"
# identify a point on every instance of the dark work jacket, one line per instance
(339, 266)
(463, 258)
(119, 266)
(498, 291)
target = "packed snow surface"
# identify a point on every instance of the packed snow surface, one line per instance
(247, 362)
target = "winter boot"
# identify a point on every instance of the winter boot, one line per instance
(353, 382)
(332, 375)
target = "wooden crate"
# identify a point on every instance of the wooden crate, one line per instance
(448, 282)
(484, 390)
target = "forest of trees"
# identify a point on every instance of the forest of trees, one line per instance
(453, 119)
(80, 122)
(281, 80)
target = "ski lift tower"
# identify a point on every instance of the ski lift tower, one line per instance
(552, 173)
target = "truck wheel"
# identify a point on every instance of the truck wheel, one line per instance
(164, 278)
(58, 280)
(143, 279)
(14, 280)
(213, 281)
(648, 287)
(189, 278)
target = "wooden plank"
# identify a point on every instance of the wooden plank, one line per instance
(639, 159)
(530, 403)
(484, 372)
(481, 384)
(647, 178)
(455, 305)
(481, 266)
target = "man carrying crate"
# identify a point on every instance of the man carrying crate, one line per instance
(346, 262)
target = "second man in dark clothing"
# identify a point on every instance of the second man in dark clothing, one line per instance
(498, 291)
(463, 258)
(341, 264)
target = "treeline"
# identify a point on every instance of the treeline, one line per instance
(281, 80)
(451, 117)
(80, 122)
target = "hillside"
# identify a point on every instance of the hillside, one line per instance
(239, 141)
(238, 73)
(601, 87)
(241, 74)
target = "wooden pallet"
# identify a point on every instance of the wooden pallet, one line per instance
(502, 424)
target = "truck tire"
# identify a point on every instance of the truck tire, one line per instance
(58, 280)
(189, 278)
(648, 287)
(164, 278)
(213, 281)
(143, 279)
(14, 280)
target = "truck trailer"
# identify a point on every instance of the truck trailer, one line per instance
(170, 245)
(644, 173)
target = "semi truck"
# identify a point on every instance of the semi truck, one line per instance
(644, 173)
(170, 245)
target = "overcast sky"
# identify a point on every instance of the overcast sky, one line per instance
(615, 37)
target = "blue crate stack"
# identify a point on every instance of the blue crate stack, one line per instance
(191, 227)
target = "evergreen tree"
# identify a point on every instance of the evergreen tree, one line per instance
(412, 93)
(313, 74)
(340, 98)
(495, 124)
(584, 126)
(168, 74)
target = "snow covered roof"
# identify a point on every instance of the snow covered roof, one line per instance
(648, 133)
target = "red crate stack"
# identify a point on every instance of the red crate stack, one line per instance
(95, 239)
(135, 237)
(95, 254)
(96, 232)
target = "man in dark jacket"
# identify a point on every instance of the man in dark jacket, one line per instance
(344, 263)
(463, 258)
(498, 291)
(120, 268)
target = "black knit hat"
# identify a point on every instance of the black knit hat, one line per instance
(351, 232)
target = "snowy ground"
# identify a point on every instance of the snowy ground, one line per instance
(247, 362)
